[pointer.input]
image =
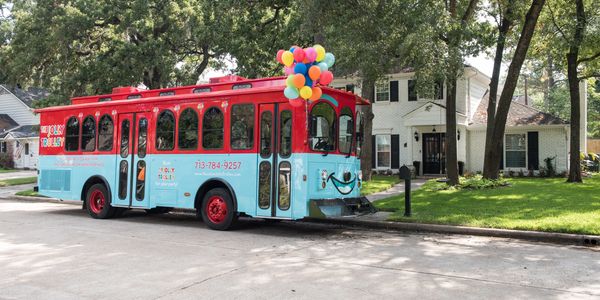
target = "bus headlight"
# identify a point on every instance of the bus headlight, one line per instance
(324, 175)
(360, 175)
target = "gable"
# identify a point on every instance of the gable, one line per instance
(430, 113)
(16, 109)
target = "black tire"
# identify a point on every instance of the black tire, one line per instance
(218, 210)
(159, 210)
(97, 202)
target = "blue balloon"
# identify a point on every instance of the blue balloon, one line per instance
(309, 81)
(323, 66)
(329, 59)
(300, 68)
(291, 92)
(292, 49)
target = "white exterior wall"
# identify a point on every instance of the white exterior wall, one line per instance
(17, 110)
(22, 160)
(553, 142)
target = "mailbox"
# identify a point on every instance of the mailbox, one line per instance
(405, 173)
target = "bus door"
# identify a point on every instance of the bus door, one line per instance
(274, 166)
(131, 166)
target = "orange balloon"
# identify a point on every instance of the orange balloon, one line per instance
(314, 72)
(299, 80)
(316, 93)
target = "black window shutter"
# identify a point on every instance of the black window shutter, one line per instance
(373, 152)
(395, 151)
(533, 153)
(502, 156)
(394, 91)
(350, 88)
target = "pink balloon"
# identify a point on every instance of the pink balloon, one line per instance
(311, 54)
(326, 78)
(288, 70)
(279, 55)
(298, 102)
(299, 54)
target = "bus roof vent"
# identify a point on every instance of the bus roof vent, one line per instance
(125, 90)
(227, 78)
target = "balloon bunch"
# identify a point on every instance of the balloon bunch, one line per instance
(307, 69)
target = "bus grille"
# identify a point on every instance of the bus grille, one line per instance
(56, 180)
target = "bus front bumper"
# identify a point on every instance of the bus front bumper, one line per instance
(340, 207)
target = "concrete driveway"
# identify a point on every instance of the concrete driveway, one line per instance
(55, 251)
(18, 174)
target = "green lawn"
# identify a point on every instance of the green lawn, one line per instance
(18, 181)
(527, 204)
(6, 170)
(30, 193)
(378, 183)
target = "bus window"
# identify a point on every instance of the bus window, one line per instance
(188, 130)
(285, 171)
(140, 181)
(88, 134)
(105, 133)
(72, 134)
(266, 125)
(123, 171)
(124, 138)
(142, 137)
(242, 126)
(359, 132)
(212, 129)
(285, 134)
(322, 131)
(264, 185)
(346, 131)
(165, 131)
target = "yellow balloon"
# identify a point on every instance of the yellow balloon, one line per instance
(287, 58)
(305, 92)
(320, 52)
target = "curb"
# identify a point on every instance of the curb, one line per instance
(537, 236)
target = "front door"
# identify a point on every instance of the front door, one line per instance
(132, 133)
(274, 167)
(434, 153)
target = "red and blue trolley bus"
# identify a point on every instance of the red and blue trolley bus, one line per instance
(228, 148)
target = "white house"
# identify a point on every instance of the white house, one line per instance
(19, 126)
(410, 130)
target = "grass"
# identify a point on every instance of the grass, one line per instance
(7, 170)
(527, 204)
(17, 181)
(378, 183)
(29, 193)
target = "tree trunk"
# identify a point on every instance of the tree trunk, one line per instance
(572, 75)
(367, 147)
(491, 110)
(493, 150)
(451, 144)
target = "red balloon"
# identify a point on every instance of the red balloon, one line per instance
(298, 102)
(326, 78)
(299, 54)
(279, 54)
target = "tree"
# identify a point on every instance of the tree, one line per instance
(493, 146)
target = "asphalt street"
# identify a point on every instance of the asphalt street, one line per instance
(56, 251)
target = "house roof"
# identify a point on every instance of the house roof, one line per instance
(518, 115)
(24, 131)
(29, 95)
(7, 123)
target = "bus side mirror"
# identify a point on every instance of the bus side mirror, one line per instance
(313, 126)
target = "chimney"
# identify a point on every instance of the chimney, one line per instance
(583, 116)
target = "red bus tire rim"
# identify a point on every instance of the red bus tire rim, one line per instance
(216, 209)
(97, 201)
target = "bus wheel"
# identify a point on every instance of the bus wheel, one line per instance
(217, 209)
(98, 202)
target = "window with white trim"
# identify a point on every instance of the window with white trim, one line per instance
(382, 91)
(3, 147)
(515, 150)
(384, 151)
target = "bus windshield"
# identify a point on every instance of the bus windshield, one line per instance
(322, 127)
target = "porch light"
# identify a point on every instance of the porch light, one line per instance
(458, 134)
(416, 136)
(433, 130)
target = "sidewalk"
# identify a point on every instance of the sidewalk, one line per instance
(397, 189)
(18, 174)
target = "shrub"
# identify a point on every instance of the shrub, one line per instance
(6, 161)
(550, 170)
